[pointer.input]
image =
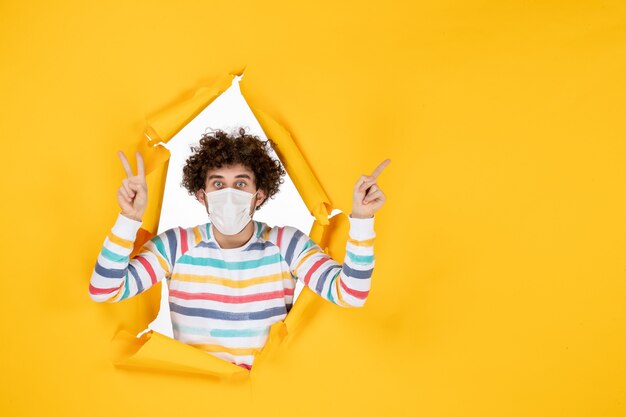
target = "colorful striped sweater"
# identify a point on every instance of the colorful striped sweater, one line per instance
(224, 301)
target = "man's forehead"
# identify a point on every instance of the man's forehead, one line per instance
(234, 171)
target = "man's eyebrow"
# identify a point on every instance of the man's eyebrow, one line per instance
(236, 176)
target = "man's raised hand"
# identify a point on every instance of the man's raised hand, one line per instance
(133, 193)
(368, 198)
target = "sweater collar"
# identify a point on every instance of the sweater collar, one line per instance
(208, 236)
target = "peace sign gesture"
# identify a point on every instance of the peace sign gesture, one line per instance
(132, 196)
(368, 197)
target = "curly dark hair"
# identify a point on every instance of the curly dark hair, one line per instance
(219, 149)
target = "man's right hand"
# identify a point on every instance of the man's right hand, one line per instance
(133, 194)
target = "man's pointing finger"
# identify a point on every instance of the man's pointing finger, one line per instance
(380, 168)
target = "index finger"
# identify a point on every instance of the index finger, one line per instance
(127, 168)
(380, 168)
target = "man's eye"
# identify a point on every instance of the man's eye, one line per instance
(241, 184)
(217, 184)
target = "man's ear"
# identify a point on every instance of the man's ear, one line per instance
(260, 198)
(200, 196)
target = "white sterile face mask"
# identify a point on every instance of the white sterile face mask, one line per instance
(229, 209)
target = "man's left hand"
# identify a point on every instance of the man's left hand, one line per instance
(368, 197)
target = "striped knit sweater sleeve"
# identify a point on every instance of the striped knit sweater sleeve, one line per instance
(116, 276)
(346, 285)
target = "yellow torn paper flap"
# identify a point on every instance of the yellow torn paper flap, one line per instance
(301, 174)
(156, 351)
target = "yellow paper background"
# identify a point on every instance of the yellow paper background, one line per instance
(500, 278)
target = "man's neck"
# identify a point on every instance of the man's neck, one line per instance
(234, 241)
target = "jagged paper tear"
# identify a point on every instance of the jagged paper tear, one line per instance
(153, 350)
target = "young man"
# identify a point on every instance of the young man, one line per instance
(232, 278)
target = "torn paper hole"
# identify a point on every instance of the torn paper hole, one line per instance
(226, 112)
(154, 351)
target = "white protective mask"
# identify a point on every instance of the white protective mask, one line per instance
(229, 209)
